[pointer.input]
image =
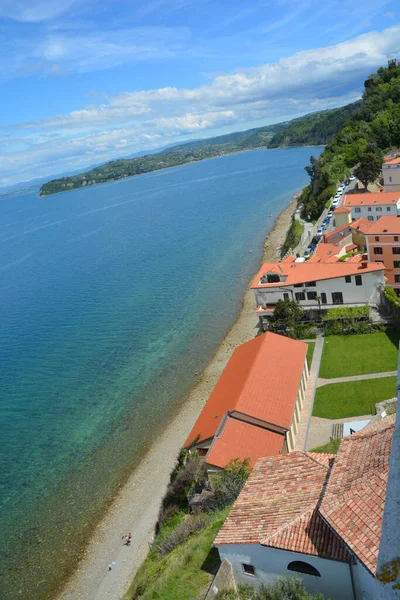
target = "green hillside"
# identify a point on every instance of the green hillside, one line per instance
(311, 129)
(361, 142)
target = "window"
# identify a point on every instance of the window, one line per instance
(377, 238)
(388, 208)
(248, 569)
(396, 238)
(396, 264)
(370, 218)
(378, 250)
(358, 280)
(323, 298)
(270, 278)
(396, 249)
(298, 285)
(311, 284)
(302, 567)
(347, 278)
(369, 209)
(357, 210)
(285, 296)
(300, 296)
(397, 278)
(311, 295)
(337, 298)
(390, 178)
(378, 208)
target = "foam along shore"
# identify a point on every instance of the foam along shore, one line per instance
(108, 566)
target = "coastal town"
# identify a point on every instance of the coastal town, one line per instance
(306, 413)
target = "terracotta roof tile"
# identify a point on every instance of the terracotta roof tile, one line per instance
(311, 271)
(278, 508)
(387, 225)
(361, 224)
(371, 199)
(242, 440)
(393, 161)
(355, 495)
(261, 380)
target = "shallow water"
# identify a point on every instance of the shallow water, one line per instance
(112, 298)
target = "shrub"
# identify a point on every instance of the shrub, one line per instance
(284, 588)
(182, 531)
(346, 312)
(229, 483)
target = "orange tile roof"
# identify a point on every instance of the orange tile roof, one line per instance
(325, 251)
(335, 232)
(393, 161)
(389, 225)
(311, 271)
(278, 507)
(355, 494)
(341, 210)
(243, 440)
(362, 224)
(371, 199)
(261, 380)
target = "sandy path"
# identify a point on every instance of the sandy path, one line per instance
(136, 507)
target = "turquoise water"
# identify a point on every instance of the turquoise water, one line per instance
(112, 298)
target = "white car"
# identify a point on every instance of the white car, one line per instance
(352, 177)
(335, 203)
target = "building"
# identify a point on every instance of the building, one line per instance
(254, 409)
(391, 174)
(372, 206)
(359, 229)
(383, 245)
(318, 516)
(315, 285)
(353, 232)
(341, 216)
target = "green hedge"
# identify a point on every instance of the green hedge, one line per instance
(346, 312)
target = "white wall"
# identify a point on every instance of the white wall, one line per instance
(270, 563)
(366, 586)
(373, 214)
(393, 172)
(352, 293)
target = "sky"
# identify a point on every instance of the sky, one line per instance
(86, 81)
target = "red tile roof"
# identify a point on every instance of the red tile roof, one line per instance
(393, 161)
(311, 271)
(389, 225)
(325, 251)
(335, 232)
(355, 495)
(371, 199)
(261, 379)
(341, 209)
(243, 440)
(362, 225)
(278, 507)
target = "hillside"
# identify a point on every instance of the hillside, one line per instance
(311, 128)
(371, 130)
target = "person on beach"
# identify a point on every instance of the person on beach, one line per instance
(127, 539)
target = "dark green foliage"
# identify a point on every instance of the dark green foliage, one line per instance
(372, 129)
(369, 167)
(293, 236)
(284, 588)
(351, 327)
(316, 131)
(287, 318)
(228, 484)
(318, 128)
(346, 312)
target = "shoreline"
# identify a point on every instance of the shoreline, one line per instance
(136, 506)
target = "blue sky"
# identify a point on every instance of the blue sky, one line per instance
(86, 81)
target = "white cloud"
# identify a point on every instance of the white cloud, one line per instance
(34, 11)
(131, 121)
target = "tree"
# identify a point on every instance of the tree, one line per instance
(228, 484)
(368, 168)
(287, 312)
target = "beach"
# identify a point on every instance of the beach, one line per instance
(108, 566)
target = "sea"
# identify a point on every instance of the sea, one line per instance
(113, 297)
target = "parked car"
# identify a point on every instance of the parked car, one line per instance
(330, 213)
(352, 177)
(347, 182)
(307, 253)
(320, 231)
(335, 203)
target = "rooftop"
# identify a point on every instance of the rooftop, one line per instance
(389, 225)
(294, 273)
(278, 507)
(325, 251)
(243, 440)
(341, 210)
(362, 224)
(252, 384)
(371, 199)
(392, 161)
(355, 494)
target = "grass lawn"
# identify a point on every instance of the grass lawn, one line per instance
(330, 447)
(352, 399)
(345, 355)
(310, 353)
(185, 572)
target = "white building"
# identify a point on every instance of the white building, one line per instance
(354, 282)
(372, 206)
(317, 516)
(391, 174)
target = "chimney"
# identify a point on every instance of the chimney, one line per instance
(381, 190)
(364, 264)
